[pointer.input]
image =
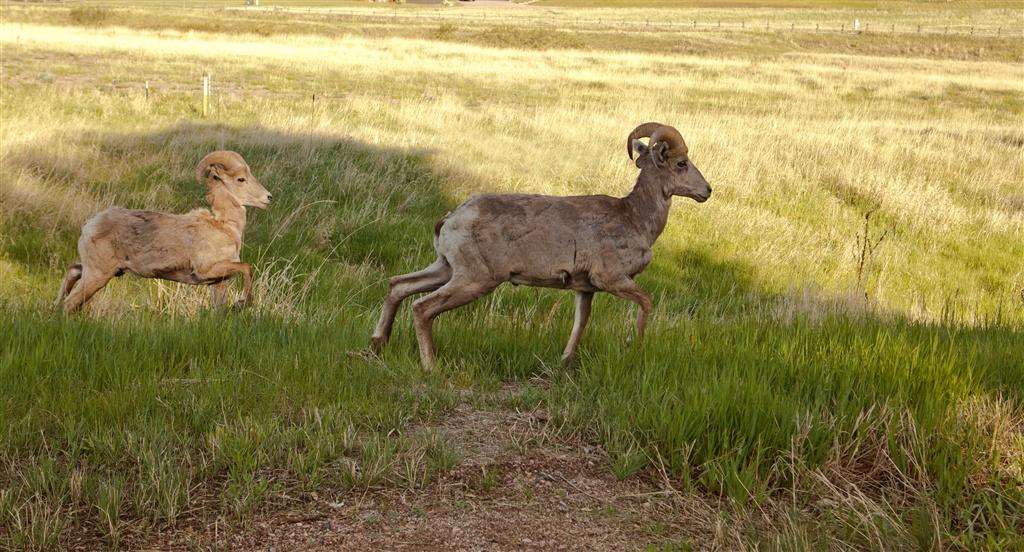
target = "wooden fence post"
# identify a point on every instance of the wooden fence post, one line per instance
(312, 115)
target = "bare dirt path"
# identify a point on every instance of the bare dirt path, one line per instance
(516, 487)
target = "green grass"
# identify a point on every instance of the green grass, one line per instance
(846, 409)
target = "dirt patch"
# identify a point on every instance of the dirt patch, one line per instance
(516, 486)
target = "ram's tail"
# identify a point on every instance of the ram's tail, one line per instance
(439, 224)
(437, 227)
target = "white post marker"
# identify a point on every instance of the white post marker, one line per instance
(856, 25)
(206, 95)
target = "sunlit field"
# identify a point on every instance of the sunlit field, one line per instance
(835, 358)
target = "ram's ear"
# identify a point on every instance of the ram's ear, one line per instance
(639, 147)
(659, 154)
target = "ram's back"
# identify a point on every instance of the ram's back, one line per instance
(542, 240)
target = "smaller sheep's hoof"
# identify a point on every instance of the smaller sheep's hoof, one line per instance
(377, 345)
(568, 361)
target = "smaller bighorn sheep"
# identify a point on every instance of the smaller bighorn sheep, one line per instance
(583, 243)
(200, 247)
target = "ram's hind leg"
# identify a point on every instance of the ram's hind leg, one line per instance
(457, 292)
(400, 287)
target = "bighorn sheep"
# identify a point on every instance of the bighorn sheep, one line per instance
(583, 243)
(200, 247)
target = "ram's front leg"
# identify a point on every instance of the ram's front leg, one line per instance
(627, 289)
(218, 273)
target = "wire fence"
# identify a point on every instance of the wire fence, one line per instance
(570, 20)
(210, 96)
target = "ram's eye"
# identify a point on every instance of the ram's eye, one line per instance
(681, 165)
(241, 179)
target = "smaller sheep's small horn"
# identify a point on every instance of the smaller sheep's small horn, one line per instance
(228, 159)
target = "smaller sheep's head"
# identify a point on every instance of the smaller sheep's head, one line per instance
(229, 170)
(667, 153)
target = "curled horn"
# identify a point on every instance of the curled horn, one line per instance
(642, 131)
(657, 133)
(227, 159)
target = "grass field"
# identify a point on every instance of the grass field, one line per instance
(831, 395)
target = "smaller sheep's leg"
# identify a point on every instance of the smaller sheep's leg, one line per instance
(92, 280)
(73, 276)
(583, 300)
(400, 287)
(219, 293)
(627, 289)
(227, 269)
(455, 293)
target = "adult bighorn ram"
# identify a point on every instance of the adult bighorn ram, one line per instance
(200, 247)
(583, 243)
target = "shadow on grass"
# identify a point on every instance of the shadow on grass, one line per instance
(349, 214)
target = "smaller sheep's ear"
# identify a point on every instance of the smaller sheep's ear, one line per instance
(217, 172)
(639, 147)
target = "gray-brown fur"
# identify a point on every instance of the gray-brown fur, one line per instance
(583, 243)
(199, 247)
